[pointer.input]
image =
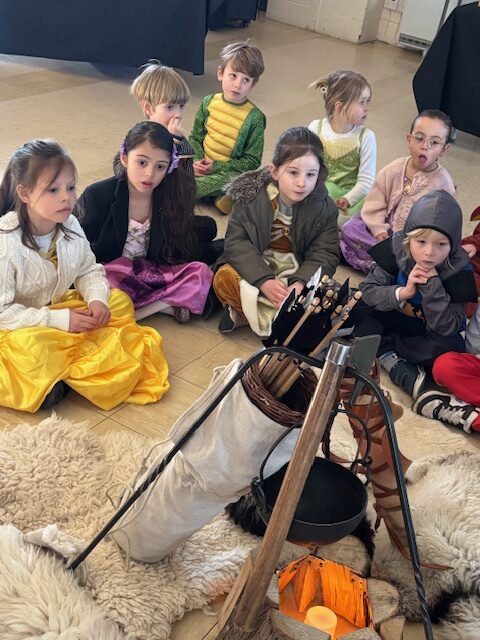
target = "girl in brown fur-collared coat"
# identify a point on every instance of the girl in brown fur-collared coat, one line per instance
(282, 233)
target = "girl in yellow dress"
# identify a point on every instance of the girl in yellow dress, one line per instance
(52, 336)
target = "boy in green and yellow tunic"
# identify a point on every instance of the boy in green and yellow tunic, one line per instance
(227, 134)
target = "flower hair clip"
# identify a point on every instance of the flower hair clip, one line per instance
(173, 161)
(323, 89)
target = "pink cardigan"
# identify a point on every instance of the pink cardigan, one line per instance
(387, 200)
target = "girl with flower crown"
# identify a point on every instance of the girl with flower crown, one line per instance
(142, 227)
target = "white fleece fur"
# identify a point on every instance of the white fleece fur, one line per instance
(57, 472)
(40, 599)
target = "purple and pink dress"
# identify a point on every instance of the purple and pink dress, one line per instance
(154, 288)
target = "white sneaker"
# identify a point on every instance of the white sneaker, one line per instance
(447, 408)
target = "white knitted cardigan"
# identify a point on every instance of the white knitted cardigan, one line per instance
(28, 282)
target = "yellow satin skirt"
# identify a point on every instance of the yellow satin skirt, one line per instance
(122, 362)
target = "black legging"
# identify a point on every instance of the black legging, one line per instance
(407, 336)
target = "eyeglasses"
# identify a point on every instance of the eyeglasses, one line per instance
(432, 143)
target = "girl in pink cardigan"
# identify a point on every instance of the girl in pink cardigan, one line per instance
(398, 186)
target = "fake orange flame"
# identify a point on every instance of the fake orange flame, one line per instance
(311, 581)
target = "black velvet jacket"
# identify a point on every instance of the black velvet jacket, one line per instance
(103, 213)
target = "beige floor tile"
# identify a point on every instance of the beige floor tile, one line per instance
(155, 420)
(182, 343)
(84, 403)
(108, 426)
(209, 325)
(194, 626)
(199, 372)
(70, 409)
(9, 418)
(247, 339)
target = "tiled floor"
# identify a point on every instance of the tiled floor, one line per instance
(89, 109)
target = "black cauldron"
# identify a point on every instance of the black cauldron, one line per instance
(332, 504)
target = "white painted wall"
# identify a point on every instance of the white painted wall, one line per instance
(389, 25)
(299, 13)
(352, 20)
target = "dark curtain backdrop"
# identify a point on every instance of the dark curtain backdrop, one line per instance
(449, 76)
(108, 31)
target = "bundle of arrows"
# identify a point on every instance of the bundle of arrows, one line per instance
(306, 323)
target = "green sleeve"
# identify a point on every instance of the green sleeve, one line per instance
(199, 131)
(248, 150)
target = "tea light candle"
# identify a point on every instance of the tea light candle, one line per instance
(322, 618)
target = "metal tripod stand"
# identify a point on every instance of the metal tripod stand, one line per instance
(315, 423)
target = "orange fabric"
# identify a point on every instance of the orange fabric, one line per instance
(316, 581)
(226, 285)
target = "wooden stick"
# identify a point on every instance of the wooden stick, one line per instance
(288, 371)
(292, 365)
(278, 391)
(266, 359)
(274, 365)
(311, 434)
(345, 313)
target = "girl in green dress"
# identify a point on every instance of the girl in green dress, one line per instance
(350, 148)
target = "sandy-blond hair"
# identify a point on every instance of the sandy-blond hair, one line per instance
(158, 84)
(418, 233)
(243, 58)
(343, 86)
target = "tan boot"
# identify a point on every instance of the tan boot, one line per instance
(384, 485)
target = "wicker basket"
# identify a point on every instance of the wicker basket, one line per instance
(294, 403)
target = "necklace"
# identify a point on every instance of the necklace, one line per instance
(407, 185)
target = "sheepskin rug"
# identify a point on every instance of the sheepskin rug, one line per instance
(58, 472)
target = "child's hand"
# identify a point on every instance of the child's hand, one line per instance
(275, 291)
(81, 320)
(175, 126)
(471, 249)
(417, 276)
(99, 312)
(381, 236)
(203, 167)
(342, 203)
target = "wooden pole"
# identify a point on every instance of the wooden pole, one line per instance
(252, 598)
(283, 382)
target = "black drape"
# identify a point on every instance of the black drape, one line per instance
(107, 31)
(449, 76)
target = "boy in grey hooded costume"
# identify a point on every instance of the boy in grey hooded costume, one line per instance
(414, 332)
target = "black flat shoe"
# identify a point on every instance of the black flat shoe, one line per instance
(56, 395)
